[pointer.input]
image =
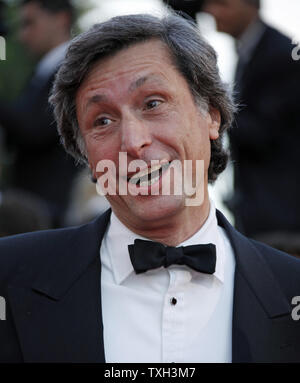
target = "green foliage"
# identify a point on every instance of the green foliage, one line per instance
(18, 65)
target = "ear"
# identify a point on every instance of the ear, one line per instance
(214, 123)
(93, 174)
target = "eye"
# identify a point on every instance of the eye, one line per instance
(153, 104)
(102, 121)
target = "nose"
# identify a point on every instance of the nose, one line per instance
(135, 136)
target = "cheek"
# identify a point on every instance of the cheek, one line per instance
(177, 129)
(101, 149)
(199, 142)
(41, 30)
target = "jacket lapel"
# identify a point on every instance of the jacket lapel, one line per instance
(262, 329)
(58, 317)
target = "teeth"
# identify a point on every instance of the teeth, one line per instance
(165, 166)
(146, 171)
(151, 182)
(142, 177)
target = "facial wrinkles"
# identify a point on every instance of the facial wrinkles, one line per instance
(115, 88)
(108, 79)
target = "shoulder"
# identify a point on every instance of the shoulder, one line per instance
(32, 251)
(256, 259)
(277, 46)
(30, 248)
(274, 256)
(277, 40)
(284, 266)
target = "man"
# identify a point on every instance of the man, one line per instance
(265, 143)
(41, 166)
(147, 89)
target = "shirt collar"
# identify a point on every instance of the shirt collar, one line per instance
(118, 237)
(246, 44)
(209, 233)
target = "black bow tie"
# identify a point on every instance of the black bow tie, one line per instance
(146, 255)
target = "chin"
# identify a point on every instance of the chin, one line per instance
(156, 207)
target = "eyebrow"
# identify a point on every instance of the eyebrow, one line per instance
(140, 81)
(97, 98)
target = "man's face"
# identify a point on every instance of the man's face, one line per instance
(137, 102)
(232, 16)
(38, 28)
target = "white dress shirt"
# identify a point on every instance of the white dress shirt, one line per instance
(141, 324)
(51, 61)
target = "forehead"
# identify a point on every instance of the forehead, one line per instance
(145, 62)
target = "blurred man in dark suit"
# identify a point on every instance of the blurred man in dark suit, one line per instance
(41, 165)
(265, 143)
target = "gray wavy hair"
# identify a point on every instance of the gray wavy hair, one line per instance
(193, 57)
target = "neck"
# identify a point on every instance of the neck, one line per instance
(63, 38)
(172, 230)
(251, 19)
(57, 40)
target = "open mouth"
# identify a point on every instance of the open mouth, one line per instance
(149, 176)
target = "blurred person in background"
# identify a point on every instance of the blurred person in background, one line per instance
(21, 212)
(40, 164)
(85, 202)
(265, 143)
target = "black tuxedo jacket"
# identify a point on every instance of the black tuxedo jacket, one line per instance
(51, 283)
(265, 139)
